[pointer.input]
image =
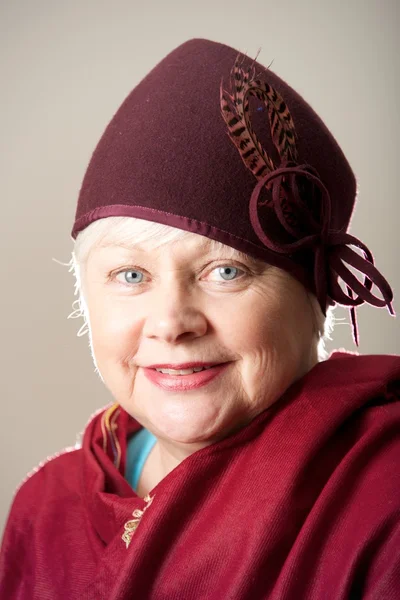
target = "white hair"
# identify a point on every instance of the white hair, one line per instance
(128, 230)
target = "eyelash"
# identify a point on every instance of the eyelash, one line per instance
(241, 271)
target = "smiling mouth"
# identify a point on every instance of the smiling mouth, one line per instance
(189, 377)
(182, 371)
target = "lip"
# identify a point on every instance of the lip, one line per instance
(178, 366)
(181, 383)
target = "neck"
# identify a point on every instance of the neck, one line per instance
(170, 455)
(163, 458)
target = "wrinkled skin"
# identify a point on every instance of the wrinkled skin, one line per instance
(180, 308)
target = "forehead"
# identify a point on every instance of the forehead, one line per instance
(182, 242)
(114, 237)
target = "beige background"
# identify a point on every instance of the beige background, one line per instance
(65, 68)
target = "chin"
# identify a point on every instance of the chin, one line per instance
(197, 432)
(186, 433)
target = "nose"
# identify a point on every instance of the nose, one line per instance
(173, 316)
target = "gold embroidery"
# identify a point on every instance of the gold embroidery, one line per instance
(131, 525)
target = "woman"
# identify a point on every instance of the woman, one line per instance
(210, 245)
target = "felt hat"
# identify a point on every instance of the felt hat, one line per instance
(213, 142)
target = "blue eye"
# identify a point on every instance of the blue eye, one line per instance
(132, 276)
(228, 273)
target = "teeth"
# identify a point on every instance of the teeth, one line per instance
(182, 371)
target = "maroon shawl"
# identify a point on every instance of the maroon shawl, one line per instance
(301, 504)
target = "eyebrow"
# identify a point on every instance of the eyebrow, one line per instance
(126, 246)
(206, 245)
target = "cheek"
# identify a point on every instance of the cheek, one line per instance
(115, 333)
(252, 331)
(261, 325)
(272, 337)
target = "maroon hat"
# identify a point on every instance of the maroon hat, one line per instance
(214, 143)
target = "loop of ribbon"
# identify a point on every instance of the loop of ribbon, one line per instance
(332, 248)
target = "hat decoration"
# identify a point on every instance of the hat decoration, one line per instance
(300, 200)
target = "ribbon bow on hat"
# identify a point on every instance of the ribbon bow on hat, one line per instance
(300, 201)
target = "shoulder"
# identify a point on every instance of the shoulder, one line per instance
(373, 387)
(38, 514)
(378, 363)
(57, 479)
(56, 475)
(360, 409)
(51, 484)
(356, 401)
(370, 374)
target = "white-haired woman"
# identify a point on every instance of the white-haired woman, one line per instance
(234, 462)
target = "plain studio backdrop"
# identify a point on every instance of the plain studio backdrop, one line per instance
(65, 69)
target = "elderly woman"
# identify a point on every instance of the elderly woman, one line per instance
(235, 463)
